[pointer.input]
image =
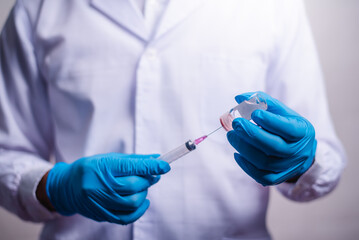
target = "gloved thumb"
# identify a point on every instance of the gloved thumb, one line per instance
(244, 97)
(274, 105)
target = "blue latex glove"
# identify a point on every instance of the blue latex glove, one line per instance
(109, 187)
(281, 147)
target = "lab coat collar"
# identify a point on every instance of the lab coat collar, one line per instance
(127, 15)
(176, 12)
(123, 13)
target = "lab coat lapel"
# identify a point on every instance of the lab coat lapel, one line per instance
(124, 13)
(176, 12)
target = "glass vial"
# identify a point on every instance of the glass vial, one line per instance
(243, 110)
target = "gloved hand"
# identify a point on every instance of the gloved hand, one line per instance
(280, 147)
(109, 187)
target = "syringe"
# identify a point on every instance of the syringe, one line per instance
(184, 149)
(244, 110)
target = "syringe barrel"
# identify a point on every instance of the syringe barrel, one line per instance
(178, 152)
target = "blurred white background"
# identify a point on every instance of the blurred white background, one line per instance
(335, 25)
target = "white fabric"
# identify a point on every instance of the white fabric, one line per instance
(78, 78)
(152, 11)
(140, 5)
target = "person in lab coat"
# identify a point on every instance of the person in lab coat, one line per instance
(101, 85)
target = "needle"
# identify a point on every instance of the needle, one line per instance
(214, 131)
(199, 140)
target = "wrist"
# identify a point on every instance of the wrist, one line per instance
(41, 193)
(295, 178)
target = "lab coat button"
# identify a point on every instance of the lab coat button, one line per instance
(151, 54)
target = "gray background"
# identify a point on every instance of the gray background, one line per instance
(335, 25)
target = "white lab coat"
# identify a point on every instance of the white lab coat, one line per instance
(85, 77)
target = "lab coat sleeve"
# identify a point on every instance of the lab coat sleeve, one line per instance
(25, 125)
(295, 78)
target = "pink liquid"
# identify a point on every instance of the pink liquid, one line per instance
(226, 121)
(199, 140)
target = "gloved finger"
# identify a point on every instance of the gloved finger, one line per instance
(266, 178)
(128, 165)
(258, 158)
(130, 156)
(153, 179)
(291, 128)
(270, 144)
(123, 218)
(114, 201)
(103, 214)
(132, 184)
